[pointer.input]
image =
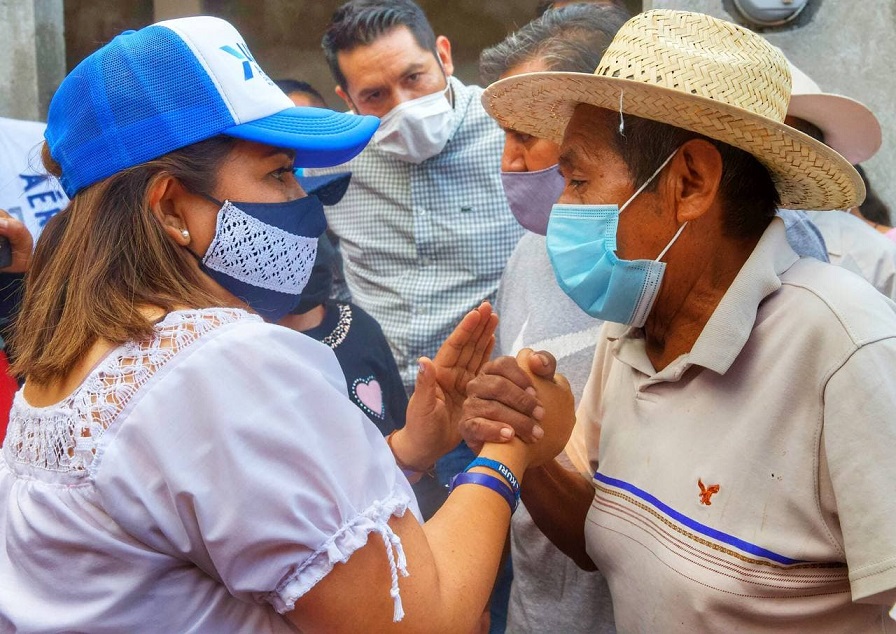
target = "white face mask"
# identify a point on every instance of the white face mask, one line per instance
(416, 130)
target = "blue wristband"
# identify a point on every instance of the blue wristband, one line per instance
(501, 468)
(490, 482)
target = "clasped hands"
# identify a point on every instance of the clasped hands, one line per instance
(460, 394)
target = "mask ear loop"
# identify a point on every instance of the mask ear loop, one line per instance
(674, 238)
(648, 181)
(450, 95)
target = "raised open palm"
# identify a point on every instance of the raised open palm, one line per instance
(435, 408)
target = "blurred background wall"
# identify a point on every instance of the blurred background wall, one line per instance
(845, 45)
(284, 35)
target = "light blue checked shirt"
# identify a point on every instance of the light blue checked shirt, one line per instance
(423, 244)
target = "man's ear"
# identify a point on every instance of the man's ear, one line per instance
(443, 48)
(695, 174)
(166, 196)
(348, 100)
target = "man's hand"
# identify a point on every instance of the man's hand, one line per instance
(20, 241)
(505, 400)
(437, 403)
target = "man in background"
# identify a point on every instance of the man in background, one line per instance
(302, 93)
(424, 229)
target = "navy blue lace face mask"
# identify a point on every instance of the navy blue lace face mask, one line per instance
(263, 253)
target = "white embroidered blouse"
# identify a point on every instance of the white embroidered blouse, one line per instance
(201, 481)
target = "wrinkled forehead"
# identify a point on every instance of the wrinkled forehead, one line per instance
(590, 133)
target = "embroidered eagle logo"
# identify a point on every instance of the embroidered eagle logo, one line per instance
(706, 492)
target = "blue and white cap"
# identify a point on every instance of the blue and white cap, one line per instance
(175, 83)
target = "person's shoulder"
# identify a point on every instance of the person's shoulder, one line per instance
(853, 230)
(209, 333)
(199, 323)
(361, 319)
(474, 120)
(181, 329)
(466, 91)
(472, 91)
(838, 300)
(846, 234)
(532, 245)
(23, 126)
(529, 259)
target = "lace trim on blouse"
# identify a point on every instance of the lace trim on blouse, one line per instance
(64, 437)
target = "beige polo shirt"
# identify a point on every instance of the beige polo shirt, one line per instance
(749, 485)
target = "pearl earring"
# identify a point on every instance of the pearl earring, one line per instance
(185, 234)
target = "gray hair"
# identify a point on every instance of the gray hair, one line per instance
(572, 38)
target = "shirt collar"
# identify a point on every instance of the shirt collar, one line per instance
(728, 329)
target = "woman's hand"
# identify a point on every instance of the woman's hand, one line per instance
(435, 408)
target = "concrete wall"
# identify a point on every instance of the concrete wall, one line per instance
(285, 37)
(90, 24)
(847, 48)
(33, 60)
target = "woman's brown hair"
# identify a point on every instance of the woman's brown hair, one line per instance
(103, 258)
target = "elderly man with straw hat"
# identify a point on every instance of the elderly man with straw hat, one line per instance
(739, 419)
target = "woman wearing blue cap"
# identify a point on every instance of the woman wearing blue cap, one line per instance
(174, 463)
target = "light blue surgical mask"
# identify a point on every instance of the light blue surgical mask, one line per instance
(581, 244)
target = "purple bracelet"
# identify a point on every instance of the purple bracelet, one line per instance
(489, 482)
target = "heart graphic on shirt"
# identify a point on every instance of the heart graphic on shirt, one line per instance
(369, 393)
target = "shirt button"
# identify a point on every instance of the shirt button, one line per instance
(421, 211)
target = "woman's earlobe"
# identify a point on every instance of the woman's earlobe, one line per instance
(162, 197)
(178, 234)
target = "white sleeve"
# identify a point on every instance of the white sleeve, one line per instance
(245, 457)
(858, 443)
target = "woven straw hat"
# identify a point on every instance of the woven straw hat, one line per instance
(695, 72)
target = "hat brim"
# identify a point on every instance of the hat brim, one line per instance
(329, 188)
(848, 125)
(807, 174)
(320, 137)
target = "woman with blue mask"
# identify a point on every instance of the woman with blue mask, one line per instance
(174, 463)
